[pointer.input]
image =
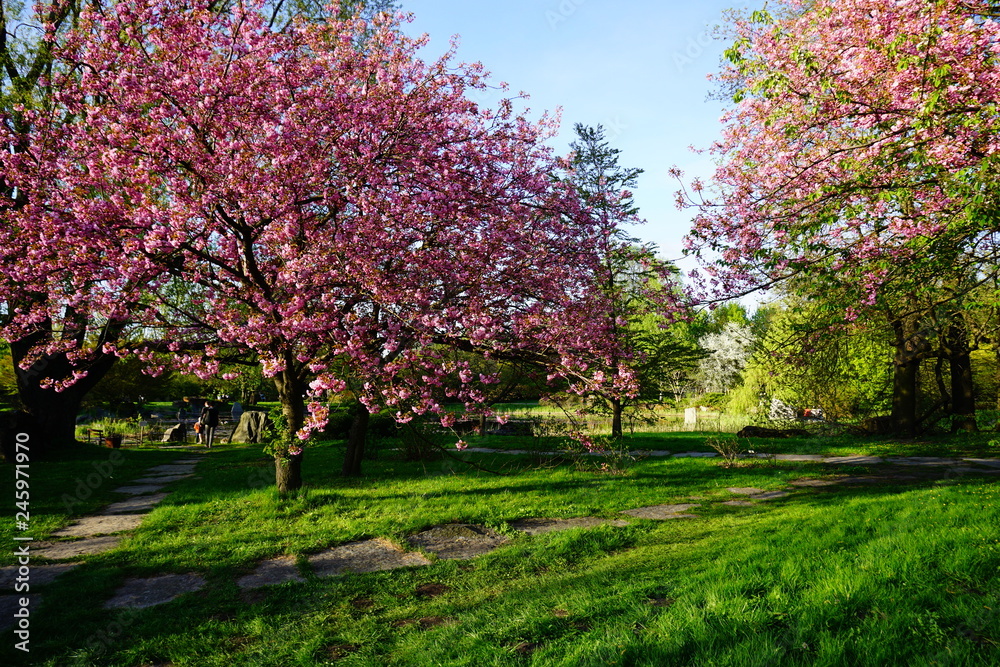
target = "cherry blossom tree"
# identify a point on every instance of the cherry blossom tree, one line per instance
(27, 66)
(860, 151)
(340, 210)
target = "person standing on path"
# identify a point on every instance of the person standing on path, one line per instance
(209, 420)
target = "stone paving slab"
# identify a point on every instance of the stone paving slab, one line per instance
(798, 457)
(815, 483)
(38, 575)
(855, 460)
(661, 512)
(993, 463)
(745, 490)
(738, 503)
(71, 549)
(862, 479)
(271, 572)
(89, 526)
(768, 495)
(173, 468)
(134, 504)
(142, 593)
(695, 455)
(367, 556)
(539, 526)
(11, 604)
(921, 461)
(138, 490)
(458, 541)
(161, 479)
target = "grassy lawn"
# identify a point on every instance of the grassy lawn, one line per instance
(889, 574)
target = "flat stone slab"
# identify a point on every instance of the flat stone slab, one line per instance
(38, 575)
(106, 524)
(798, 457)
(847, 460)
(812, 482)
(173, 468)
(738, 503)
(11, 604)
(271, 572)
(142, 593)
(921, 461)
(745, 490)
(656, 452)
(162, 479)
(457, 541)
(768, 495)
(992, 463)
(861, 479)
(74, 548)
(695, 455)
(134, 504)
(539, 526)
(139, 490)
(181, 462)
(661, 512)
(367, 556)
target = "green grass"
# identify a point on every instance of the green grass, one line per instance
(887, 575)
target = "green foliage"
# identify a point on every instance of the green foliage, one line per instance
(804, 361)
(8, 381)
(125, 382)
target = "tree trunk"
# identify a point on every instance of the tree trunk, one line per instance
(291, 393)
(616, 418)
(904, 398)
(288, 473)
(356, 437)
(963, 394)
(910, 349)
(54, 412)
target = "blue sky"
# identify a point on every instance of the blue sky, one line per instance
(638, 67)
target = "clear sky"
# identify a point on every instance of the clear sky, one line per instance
(638, 67)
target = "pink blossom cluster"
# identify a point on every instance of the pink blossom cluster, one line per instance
(864, 136)
(350, 211)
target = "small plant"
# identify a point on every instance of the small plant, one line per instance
(112, 427)
(730, 449)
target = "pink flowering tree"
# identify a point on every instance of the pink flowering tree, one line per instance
(339, 211)
(859, 154)
(57, 346)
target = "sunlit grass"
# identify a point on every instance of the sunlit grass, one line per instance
(885, 575)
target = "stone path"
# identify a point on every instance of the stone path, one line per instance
(102, 531)
(98, 533)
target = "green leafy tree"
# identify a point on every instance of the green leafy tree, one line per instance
(643, 297)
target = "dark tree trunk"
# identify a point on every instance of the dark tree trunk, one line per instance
(904, 398)
(54, 412)
(963, 394)
(291, 387)
(288, 473)
(911, 347)
(616, 418)
(356, 437)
